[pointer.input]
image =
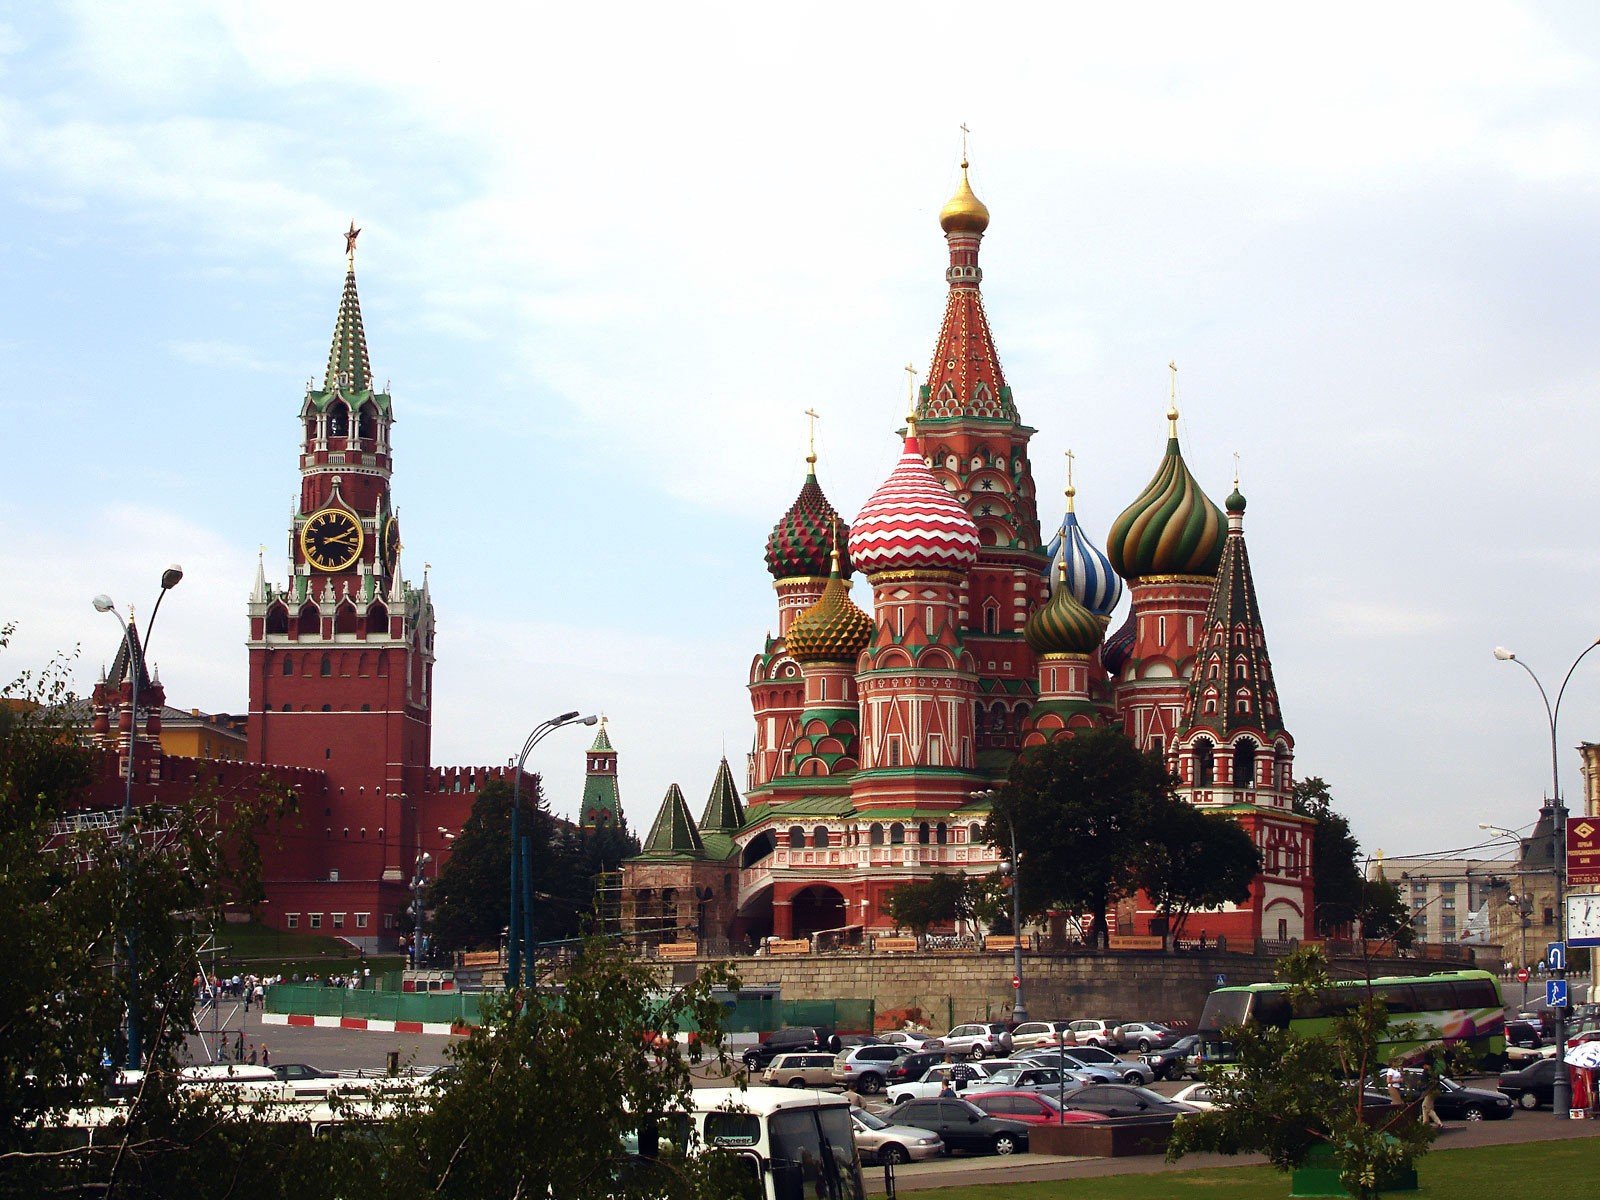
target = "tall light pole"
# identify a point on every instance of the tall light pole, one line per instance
(170, 578)
(1019, 1007)
(418, 881)
(519, 935)
(1561, 1100)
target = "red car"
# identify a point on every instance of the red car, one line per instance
(1032, 1108)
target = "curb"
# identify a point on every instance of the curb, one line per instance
(365, 1024)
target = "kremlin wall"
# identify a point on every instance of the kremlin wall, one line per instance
(876, 733)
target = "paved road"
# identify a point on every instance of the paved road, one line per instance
(330, 1049)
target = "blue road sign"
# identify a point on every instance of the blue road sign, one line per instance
(1555, 993)
(1222, 981)
(1556, 955)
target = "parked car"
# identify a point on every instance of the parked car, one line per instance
(1456, 1102)
(1074, 1067)
(904, 1037)
(865, 1069)
(1524, 1035)
(800, 1070)
(957, 1075)
(1096, 1033)
(974, 1041)
(1145, 1036)
(1094, 1058)
(790, 1040)
(1117, 1100)
(1532, 1086)
(1030, 1034)
(879, 1141)
(848, 1041)
(913, 1066)
(962, 1126)
(1198, 1096)
(305, 1079)
(1019, 1077)
(1032, 1108)
(1172, 1062)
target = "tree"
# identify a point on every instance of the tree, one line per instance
(1287, 1095)
(949, 898)
(1194, 859)
(1335, 859)
(1082, 808)
(1383, 913)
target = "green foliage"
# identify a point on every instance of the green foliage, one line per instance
(1287, 1094)
(1097, 818)
(1384, 915)
(1193, 859)
(1335, 859)
(946, 899)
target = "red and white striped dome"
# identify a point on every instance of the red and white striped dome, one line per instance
(911, 521)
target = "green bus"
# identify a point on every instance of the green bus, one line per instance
(1445, 1009)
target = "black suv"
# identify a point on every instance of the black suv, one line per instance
(914, 1066)
(963, 1126)
(790, 1040)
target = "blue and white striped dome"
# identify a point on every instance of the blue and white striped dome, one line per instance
(1088, 571)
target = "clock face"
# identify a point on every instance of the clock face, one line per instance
(331, 539)
(391, 543)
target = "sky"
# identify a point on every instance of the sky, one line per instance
(610, 254)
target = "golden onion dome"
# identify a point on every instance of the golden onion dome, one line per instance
(964, 212)
(831, 630)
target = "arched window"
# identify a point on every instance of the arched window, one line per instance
(924, 834)
(338, 421)
(344, 621)
(991, 617)
(797, 838)
(325, 668)
(897, 834)
(288, 664)
(875, 834)
(368, 427)
(377, 620)
(310, 620)
(1244, 764)
(277, 619)
(819, 837)
(941, 833)
(1205, 764)
(978, 718)
(975, 833)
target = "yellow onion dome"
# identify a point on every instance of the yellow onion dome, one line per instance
(964, 212)
(1064, 626)
(831, 630)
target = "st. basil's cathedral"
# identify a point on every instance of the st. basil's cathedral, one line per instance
(877, 735)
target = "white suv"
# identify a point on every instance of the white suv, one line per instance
(1097, 1033)
(865, 1068)
(1042, 1033)
(973, 1041)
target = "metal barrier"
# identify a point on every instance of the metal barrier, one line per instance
(435, 1007)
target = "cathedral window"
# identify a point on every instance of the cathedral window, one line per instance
(277, 619)
(1161, 630)
(310, 621)
(1205, 763)
(977, 716)
(1244, 764)
(819, 837)
(924, 834)
(941, 833)
(975, 833)
(327, 708)
(288, 664)
(338, 421)
(875, 834)
(897, 834)
(894, 752)
(797, 838)
(991, 617)
(288, 708)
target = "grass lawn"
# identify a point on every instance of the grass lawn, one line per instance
(1565, 1170)
(256, 949)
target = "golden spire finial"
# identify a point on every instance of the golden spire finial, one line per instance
(812, 417)
(964, 212)
(1071, 491)
(911, 393)
(835, 538)
(1236, 470)
(350, 236)
(964, 132)
(1172, 402)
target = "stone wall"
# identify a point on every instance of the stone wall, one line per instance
(955, 987)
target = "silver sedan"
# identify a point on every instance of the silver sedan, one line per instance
(879, 1141)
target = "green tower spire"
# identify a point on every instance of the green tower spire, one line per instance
(724, 813)
(601, 807)
(674, 834)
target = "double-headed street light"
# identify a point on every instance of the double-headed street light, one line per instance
(136, 651)
(418, 881)
(519, 934)
(1561, 1100)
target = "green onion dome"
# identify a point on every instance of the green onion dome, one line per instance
(1173, 528)
(1064, 626)
(831, 630)
(1235, 500)
(799, 543)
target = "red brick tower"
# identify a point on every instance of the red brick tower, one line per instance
(975, 442)
(341, 659)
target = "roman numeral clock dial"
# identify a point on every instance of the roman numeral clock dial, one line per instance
(331, 539)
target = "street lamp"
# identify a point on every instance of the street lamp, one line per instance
(418, 882)
(1561, 1100)
(519, 938)
(170, 579)
(1019, 1008)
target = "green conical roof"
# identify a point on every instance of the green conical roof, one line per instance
(674, 833)
(1173, 528)
(724, 813)
(348, 367)
(602, 740)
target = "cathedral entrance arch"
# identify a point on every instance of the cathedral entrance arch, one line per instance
(817, 907)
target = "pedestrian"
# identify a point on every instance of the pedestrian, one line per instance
(238, 1047)
(1392, 1079)
(252, 1056)
(1430, 1092)
(266, 1055)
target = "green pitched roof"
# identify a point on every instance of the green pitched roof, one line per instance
(602, 740)
(674, 834)
(723, 811)
(348, 367)
(807, 806)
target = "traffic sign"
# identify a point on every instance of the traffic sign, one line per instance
(1556, 955)
(1222, 980)
(1555, 993)
(1522, 975)
(1016, 981)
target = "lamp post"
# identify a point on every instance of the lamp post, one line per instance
(1019, 1007)
(170, 578)
(418, 882)
(519, 934)
(1561, 1099)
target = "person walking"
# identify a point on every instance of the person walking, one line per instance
(266, 1055)
(1430, 1092)
(1392, 1079)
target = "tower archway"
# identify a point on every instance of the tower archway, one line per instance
(816, 908)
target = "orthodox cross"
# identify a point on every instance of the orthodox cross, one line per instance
(1236, 470)
(911, 388)
(964, 132)
(812, 417)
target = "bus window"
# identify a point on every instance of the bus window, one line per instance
(732, 1129)
(840, 1138)
(1272, 1009)
(813, 1155)
(1476, 993)
(1225, 1008)
(1399, 998)
(1434, 995)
